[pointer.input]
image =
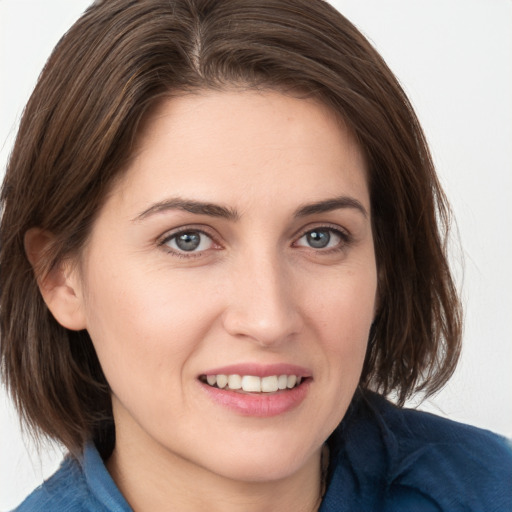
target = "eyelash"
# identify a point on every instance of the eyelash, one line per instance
(165, 239)
(344, 236)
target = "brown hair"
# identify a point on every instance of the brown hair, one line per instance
(79, 126)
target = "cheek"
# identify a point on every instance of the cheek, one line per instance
(340, 316)
(145, 321)
(342, 312)
(345, 305)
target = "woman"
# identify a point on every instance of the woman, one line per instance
(222, 246)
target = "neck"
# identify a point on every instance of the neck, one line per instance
(159, 480)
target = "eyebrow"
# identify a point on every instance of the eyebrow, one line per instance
(189, 205)
(215, 210)
(328, 205)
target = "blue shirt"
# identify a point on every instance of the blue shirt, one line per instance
(382, 458)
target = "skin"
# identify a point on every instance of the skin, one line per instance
(255, 291)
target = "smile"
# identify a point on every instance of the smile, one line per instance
(252, 383)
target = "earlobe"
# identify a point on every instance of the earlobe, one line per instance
(60, 286)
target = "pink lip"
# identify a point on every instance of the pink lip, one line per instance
(260, 370)
(259, 404)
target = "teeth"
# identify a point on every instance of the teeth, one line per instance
(251, 384)
(282, 381)
(254, 384)
(292, 380)
(222, 381)
(234, 382)
(269, 384)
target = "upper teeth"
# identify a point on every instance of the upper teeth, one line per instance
(254, 384)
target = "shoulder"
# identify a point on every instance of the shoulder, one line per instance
(65, 491)
(459, 466)
(413, 430)
(409, 458)
(78, 486)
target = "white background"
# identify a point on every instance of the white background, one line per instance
(454, 59)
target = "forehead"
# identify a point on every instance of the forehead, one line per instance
(237, 146)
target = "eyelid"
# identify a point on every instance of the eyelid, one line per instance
(344, 235)
(161, 241)
(342, 232)
(169, 235)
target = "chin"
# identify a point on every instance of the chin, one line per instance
(259, 472)
(257, 465)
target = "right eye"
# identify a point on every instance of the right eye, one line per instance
(323, 238)
(189, 241)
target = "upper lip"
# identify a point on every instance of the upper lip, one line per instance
(260, 370)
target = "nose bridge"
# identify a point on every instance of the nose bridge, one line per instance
(262, 306)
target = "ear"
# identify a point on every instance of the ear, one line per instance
(60, 286)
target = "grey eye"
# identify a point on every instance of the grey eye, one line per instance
(189, 241)
(321, 238)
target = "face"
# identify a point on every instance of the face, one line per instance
(229, 283)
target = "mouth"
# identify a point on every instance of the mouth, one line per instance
(253, 383)
(255, 390)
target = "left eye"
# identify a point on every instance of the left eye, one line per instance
(189, 241)
(321, 238)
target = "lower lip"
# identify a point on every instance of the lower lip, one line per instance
(261, 405)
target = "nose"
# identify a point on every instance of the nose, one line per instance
(262, 305)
